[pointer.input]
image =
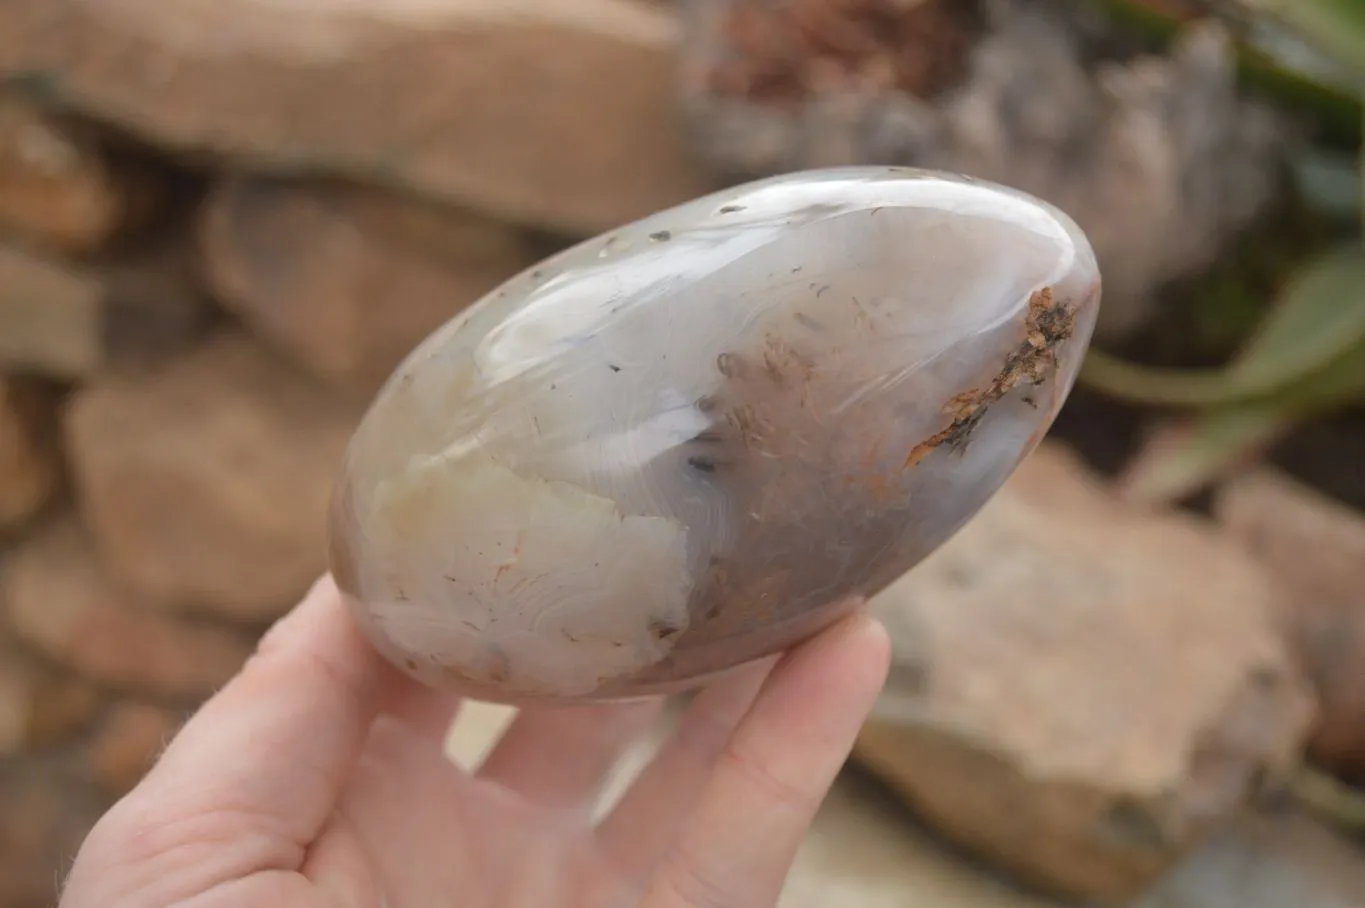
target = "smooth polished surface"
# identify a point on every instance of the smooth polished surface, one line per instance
(688, 443)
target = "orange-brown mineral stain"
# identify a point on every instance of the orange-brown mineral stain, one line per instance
(1047, 325)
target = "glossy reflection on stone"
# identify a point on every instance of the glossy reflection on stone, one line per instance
(689, 443)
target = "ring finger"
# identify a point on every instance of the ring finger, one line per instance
(641, 827)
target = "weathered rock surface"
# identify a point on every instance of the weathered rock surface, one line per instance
(206, 482)
(71, 322)
(56, 189)
(130, 738)
(61, 603)
(1083, 689)
(39, 704)
(155, 303)
(1156, 157)
(29, 462)
(468, 102)
(44, 817)
(1316, 547)
(863, 852)
(1270, 859)
(51, 315)
(347, 279)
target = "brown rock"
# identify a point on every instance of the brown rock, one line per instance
(1316, 547)
(1160, 158)
(557, 114)
(206, 482)
(346, 279)
(862, 853)
(1082, 688)
(72, 322)
(1266, 859)
(39, 704)
(51, 315)
(30, 464)
(127, 744)
(44, 817)
(63, 605)
(155, 302)
(56, 189)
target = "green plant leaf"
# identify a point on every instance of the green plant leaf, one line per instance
(1319, 316)
(1339, 382)
(1340, 804)
(1187, 453)
(1338, 110)
(1337, 26)
(1331, 183)
(1155, 386)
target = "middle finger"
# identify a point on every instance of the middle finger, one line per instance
(640, 828)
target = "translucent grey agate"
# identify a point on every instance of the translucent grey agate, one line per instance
(691, 442)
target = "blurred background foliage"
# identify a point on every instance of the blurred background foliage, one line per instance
(1273, 338)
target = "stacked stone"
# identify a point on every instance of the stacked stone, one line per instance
(208, 262)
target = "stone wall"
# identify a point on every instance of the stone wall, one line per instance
(209, 259)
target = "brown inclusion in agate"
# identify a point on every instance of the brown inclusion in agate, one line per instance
(693, 442)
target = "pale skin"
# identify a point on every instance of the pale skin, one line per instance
(317, 777)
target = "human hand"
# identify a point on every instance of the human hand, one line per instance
(318, 777)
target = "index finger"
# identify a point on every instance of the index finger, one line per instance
(266, 756)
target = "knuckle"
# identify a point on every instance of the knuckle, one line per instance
(761, 776)
(695, 882)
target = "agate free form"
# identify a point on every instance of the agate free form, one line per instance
(690, 443)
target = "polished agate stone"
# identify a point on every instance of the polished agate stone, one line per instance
(697, 440)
